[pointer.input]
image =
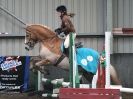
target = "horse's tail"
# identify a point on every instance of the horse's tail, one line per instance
(71, 14)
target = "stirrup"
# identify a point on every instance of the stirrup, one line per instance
(66, 51)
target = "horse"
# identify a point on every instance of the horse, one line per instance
(50, 50)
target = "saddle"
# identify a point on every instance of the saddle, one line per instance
(77, 45)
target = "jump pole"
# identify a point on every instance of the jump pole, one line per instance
(56, 82)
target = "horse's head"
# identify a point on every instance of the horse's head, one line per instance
(30, 38)
(37, 33)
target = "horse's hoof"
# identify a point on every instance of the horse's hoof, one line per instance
(37, 64)
(45, 72)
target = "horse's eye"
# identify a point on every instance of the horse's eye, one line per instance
(27, 35)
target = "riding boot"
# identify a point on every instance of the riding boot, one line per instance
(66, 51)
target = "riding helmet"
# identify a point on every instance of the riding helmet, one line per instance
(61, 8)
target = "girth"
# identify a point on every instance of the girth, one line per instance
(59, 59)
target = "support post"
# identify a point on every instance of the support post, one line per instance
(39, 80)
(74, 77)
(107, 55)
(109, 15)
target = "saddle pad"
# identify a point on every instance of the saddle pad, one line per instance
(88, 59)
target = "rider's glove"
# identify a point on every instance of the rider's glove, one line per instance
(58, 31)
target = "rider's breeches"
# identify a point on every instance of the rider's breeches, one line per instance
(66, 42)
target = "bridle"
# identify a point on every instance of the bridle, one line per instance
(31, 42)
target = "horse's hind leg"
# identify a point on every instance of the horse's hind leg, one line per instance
(114, 77)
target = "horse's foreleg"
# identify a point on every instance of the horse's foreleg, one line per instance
(41, 66)
(43, 62)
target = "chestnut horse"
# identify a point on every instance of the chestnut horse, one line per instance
(50, 48)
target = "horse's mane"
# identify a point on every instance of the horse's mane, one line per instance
(43, 26)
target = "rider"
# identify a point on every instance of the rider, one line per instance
(66, 25)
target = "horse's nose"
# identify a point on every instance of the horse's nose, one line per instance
(27, 48)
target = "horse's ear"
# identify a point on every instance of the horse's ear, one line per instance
(26, 28)
(28, 25)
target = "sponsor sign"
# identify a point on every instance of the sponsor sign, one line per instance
(14, 72)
